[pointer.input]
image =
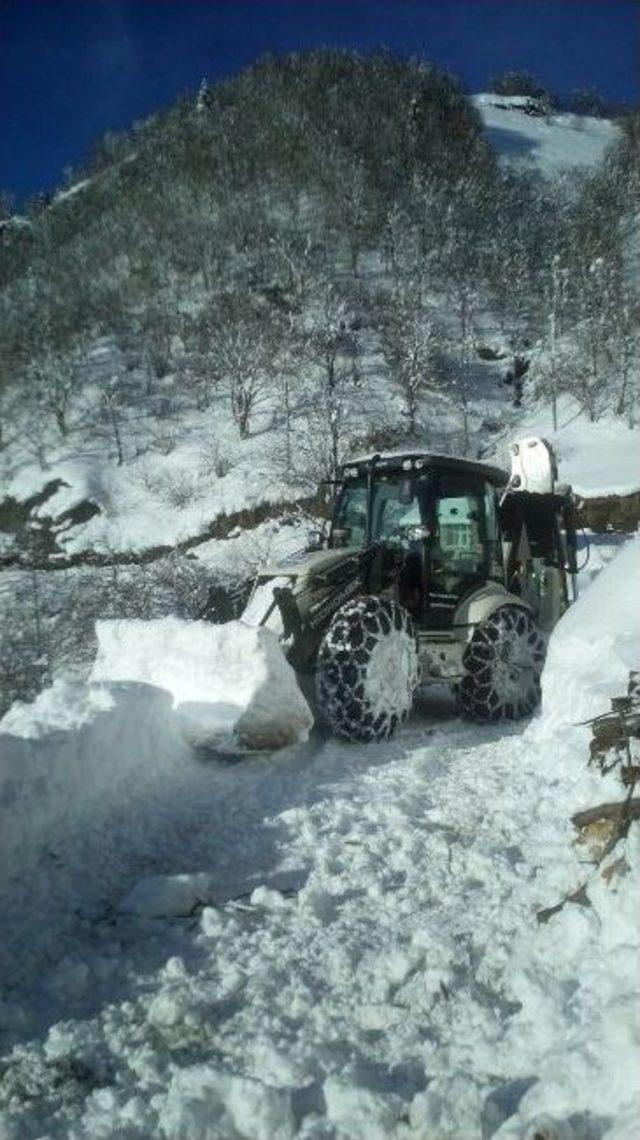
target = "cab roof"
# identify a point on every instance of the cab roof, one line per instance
(407, 461)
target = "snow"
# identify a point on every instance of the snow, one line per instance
(336, 941)
(77, 768)
(231, 684)
(153, 501)
(596, 645)
(204, 1102)
(64, 707)
(168, 895)
(64, 195)
(554, 143)
(244, 553)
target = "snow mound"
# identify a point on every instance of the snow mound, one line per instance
(594, 646)
(203, 1102)
(168, 896)
(231, 685)
(86, 772)
(89, 772)
(64, 707)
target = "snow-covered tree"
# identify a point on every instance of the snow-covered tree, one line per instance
(332, 351)
(52, 381)
(203, 98)
(412, 346)
(244, 357)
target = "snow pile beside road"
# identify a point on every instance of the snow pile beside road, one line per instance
(90, 775)
(87, 773)
(594, 647)
(231, 684)
(575, 976)
(66, 706)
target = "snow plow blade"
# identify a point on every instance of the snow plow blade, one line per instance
(233, 689)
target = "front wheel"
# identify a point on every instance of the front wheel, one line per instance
(367, 669)
(503, 662)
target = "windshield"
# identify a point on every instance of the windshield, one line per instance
(395, 510)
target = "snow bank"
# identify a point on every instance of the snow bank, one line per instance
(575, 976)
(86, 773)
(204, 1102)
(90, 775)
(231, 684)
(594, 646)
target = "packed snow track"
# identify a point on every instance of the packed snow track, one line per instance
(332, 941)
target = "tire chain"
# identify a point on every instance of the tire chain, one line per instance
(357, 628)
(479, 694)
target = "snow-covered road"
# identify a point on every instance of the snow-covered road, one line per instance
(367, 962)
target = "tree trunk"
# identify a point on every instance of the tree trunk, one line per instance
(412, 411)
(622, 398)
(287, 426)
(115, 427)
(243, 412)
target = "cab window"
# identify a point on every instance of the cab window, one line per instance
(350, 522)
(395, 509)
(464, 533)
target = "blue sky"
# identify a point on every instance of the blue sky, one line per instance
(72, 69)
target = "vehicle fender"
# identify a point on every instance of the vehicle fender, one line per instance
(477, 606)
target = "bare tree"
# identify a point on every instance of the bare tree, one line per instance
(244, 355)
(332, 347)
(464, 304)
(624, 339)
(53, 381)
(111, 410)
(557, 294)
(594, 336)
(411, 344)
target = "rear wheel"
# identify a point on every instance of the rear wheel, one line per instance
(503, 662)
(367, 669)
